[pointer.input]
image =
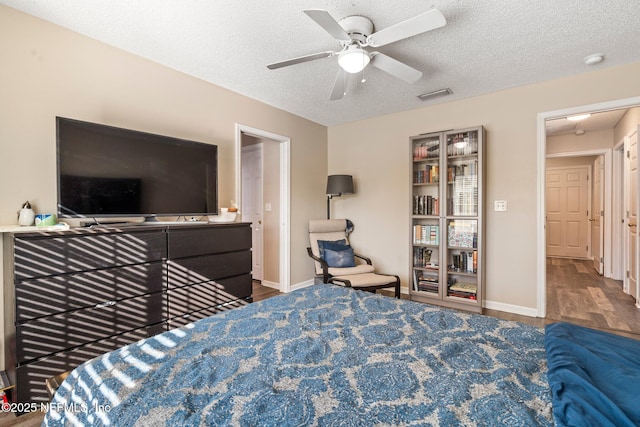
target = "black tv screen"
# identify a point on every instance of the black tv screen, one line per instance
(108, 171)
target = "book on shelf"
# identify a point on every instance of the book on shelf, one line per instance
(462, 234)
(469, 262)
(428, 288)
(428, 175)
(463, 295)
(421, 257)
(463, 290)
(467, 287)
(425, 283)
(464, 262)
(425, 205)
(427, 149)
(426, 234)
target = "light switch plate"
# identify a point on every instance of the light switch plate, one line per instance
(500, 205)
(267, 207)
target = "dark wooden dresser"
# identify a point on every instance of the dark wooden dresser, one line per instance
(72, 295)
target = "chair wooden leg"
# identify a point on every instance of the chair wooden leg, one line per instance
(397, 286)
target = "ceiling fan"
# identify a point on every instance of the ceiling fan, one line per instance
(354, 34)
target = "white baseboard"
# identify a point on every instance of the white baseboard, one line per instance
(510, 308)
(301, 285)
(268, 284)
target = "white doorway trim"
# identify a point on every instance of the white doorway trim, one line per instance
(285, 193)
(541, 151)
(617, 215)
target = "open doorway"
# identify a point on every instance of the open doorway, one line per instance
(599, 229)
(262, 192)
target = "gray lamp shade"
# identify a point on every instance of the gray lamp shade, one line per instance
(339, 184)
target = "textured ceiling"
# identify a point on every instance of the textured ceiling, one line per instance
(486, 45)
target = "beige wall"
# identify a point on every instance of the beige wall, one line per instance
(376, 152)
(566, 162)
(568, 143)
(629, 122)
(48, 71)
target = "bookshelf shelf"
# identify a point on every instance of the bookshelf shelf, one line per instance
(447, 256)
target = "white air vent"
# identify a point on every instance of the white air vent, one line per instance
(436, 93)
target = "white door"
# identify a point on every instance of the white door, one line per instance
(597, 209)
(567, 211)
(252, 202)
(631, 186)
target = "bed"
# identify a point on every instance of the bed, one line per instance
(323, 355)
(594, 377)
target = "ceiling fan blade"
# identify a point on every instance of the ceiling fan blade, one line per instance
(395, 67)
(418, 24)
(339, 85)
(300, 59)
(329, 24)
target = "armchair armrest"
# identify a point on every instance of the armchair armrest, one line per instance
(323, 264)
(362, 257)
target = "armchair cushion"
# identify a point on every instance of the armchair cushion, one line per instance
(358, 269)
(337, 254)
(331, 244)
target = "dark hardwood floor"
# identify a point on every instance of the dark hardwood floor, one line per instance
(261, 292)
(576, 293)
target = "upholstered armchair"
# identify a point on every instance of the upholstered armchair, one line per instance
(337, 263)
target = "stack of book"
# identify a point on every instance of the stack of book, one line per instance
(426, 283)
(464, 290)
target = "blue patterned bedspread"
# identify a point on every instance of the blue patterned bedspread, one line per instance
(323, 355)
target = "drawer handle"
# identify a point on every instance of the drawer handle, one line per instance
(105, 304)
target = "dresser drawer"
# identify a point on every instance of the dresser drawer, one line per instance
(31, 377)
(56, 294)
(39, 338)
(192, 298)
(208, 294)
(187, 242)
(39, 256)
(187, 271)
(185, 319)
(234, 288)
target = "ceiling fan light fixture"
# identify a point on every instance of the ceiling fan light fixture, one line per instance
(594, 59)
(354, 59)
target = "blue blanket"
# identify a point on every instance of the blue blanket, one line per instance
(323, 355)
(594, 377)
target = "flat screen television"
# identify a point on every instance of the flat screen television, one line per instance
(105, 171)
